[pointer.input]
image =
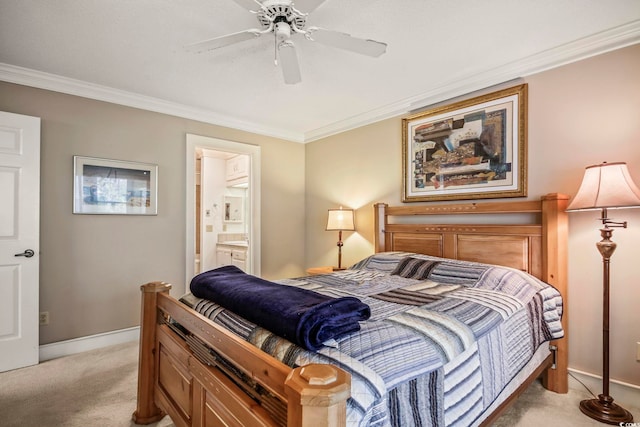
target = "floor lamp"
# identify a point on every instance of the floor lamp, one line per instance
(340, 220)
(605, 186)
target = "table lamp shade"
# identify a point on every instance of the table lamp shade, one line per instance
(607, 185)
(340, 219)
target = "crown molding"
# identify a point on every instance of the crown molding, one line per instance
(605, 41)
(41, 80)
(597, 44)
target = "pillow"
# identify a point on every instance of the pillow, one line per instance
(381, 261)
(414, 268)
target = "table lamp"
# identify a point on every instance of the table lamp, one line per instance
(340, 220)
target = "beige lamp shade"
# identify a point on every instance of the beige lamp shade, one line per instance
(607, 185)
(340, 219)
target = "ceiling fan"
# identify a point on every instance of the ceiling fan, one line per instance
(283, 18)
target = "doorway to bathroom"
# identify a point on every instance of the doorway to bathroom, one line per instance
(223, 205)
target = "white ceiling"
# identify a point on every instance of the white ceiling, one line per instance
(132, 52)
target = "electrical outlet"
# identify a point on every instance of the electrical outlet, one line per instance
(44, 318)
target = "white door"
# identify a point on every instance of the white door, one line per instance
(19, 239)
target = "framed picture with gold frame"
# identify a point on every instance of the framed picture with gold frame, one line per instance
(472, 149)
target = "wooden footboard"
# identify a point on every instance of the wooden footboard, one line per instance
(175, 380)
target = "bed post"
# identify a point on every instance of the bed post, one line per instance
(317, 396)
(379, 221)
(554, 268)
(146, 410)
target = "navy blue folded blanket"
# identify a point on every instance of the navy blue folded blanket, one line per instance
(301, 316)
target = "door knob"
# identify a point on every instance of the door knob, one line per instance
(28, 253)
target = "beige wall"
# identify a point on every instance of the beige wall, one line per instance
(91, 266)
(580, 114)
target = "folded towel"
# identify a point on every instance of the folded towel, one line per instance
(301, 316)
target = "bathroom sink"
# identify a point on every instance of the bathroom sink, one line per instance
(242, 243)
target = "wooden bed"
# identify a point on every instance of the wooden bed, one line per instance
(176, 381)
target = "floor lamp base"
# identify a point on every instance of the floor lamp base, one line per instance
(604, 410)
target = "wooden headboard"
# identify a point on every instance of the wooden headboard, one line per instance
(526, 247)
(538, 247)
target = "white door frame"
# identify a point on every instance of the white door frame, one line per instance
(253, 151)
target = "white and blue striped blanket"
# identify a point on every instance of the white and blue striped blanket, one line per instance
(443, 340)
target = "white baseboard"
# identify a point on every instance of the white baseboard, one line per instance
(623, 393)
(91, 342)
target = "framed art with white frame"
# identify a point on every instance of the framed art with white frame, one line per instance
(114, 187)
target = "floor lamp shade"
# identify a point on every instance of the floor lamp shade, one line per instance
(340, 220)
(605, 186)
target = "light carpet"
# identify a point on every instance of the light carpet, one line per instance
(98, 389)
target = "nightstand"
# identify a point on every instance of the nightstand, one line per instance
(319, 270)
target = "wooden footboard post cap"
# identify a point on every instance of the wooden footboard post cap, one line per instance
(317, 396)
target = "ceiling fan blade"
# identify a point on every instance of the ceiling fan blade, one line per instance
(249, 4)
(347, 42)
(307, 6)
(289, 62)
(223, 41)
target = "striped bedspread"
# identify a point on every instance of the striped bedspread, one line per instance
(443, 340)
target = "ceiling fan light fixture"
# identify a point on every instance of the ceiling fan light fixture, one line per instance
(282, 31)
